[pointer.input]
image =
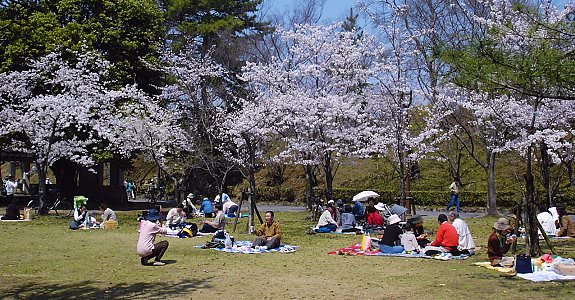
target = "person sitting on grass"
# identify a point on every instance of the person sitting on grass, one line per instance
(207, 208)
(358, 211)
(149, 228)
(107, 213)
(446, 240)
(189, 206)
(12, 212)
(409, 241)
(391, 236)
(269, 233)
(419, 231)
(547, 220)
(230, 208)
(499, 243)
(219, 223)
(347, 220)
(176, 216)
(326, 222)
(374, 218)
(466, 242)
(567, 228)
(81, 217)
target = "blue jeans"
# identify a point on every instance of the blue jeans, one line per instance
(390, 249)
(454, 199)
(330, 227)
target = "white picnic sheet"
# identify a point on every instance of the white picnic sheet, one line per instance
(542, 276)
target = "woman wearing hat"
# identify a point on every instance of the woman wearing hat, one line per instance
(391, 236)
(499, 242)
(149, 228)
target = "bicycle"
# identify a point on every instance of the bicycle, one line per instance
(58, 204)
(155, 194)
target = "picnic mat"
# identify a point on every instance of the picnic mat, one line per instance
(544, 276)
(487, 265)
(233, 217)
(539, 276)
(355, 250)
(244, 247)
(337, 231)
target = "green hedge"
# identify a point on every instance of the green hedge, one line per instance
(506, 199)
(272, 194)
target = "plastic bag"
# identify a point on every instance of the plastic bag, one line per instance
(365, 243)
(228, 241)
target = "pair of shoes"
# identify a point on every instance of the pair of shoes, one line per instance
(158, 263)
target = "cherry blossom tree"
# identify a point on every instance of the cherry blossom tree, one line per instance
(395, 99)
(62, 109)
(155, 131)
(191, 90)
(523, 62)
(313, 94)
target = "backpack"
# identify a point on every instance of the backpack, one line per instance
(188, 231)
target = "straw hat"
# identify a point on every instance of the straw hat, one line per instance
(393, 219)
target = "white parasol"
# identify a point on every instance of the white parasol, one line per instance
(365, 195)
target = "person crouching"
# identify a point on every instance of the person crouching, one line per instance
(149, 228)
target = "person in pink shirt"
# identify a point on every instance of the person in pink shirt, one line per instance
(149, 228)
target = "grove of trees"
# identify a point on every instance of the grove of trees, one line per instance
(213, 91)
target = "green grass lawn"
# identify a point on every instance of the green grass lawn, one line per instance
(43, 259)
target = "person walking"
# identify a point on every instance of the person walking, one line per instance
(455, 199)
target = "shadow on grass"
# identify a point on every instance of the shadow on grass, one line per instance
(89, 290)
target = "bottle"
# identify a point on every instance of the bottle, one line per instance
(87, 220)
(228, 241)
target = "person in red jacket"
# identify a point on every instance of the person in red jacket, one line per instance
(374, 218)
(446, 240)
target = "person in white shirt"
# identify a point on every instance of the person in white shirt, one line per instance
(230, 208)
(176, 216)
(326, 222)
(10, 185)
(547, 221)
(189, 206)
(107, 214)
(409, 241)
(466, 242)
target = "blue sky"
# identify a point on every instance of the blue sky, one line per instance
(337, 10)
(334, 10)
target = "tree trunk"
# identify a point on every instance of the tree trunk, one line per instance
(309, 174)
(491, 191)
(402, 177)
(42, 192)
(571, 172)
(252, 179)
(328, 169)
(546, 172)
(532, 235)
